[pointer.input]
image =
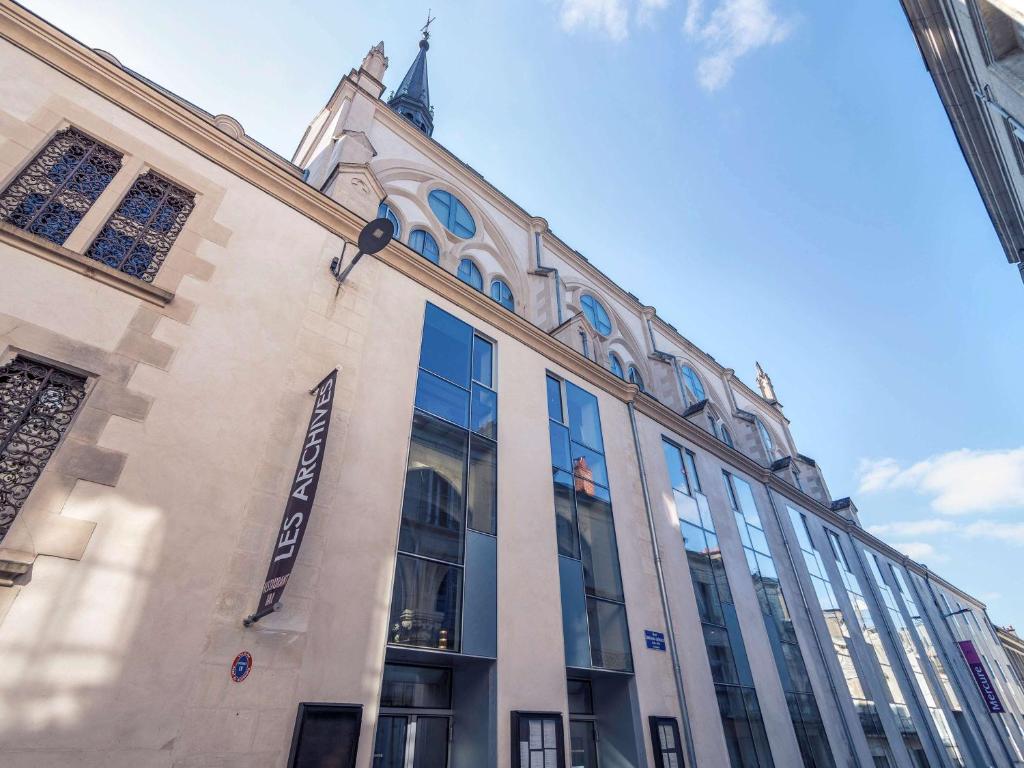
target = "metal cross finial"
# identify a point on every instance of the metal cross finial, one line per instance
(426, 27)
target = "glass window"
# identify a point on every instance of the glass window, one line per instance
(609, 635)
(325, 734)
(635, 378)
(668, 749)
(693, 385)
(481, 510)
(37, 404)
(726, 436)
(581, 697)
(470, 274)
(417, 687)
(615, 365)
(442, 398)
(565, 515)
(596, 315)
(425, 245)
(597, 545)
(432, 510)
(483, 361)
(54, 191)
(554, 387)
(446, 345)
(452, 213)
(559, 436)
(691, 471)
(502, 294)
(584, 417)
(676, 471)
(766, 438)
(589, 467)
(426, 604)
(484, 412)
(538, 741)
(384, 212)
(139, 234)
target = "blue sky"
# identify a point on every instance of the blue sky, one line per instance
(777, 178)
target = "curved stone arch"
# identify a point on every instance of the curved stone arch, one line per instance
(620, 333)
(414, 214)
(494, 243)
(628, 355)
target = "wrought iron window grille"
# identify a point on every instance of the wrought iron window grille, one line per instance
(56, 189)
(140, 233)
(37, 404)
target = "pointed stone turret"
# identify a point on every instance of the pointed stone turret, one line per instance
(764, 383)
(412, 99)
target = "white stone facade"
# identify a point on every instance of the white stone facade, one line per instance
(144, 543)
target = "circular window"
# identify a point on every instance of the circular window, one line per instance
(384, 212)
(615, 365)
(425, 245)
(596, 315)
(452, 213)
(693, 385)
(502, 294)
(469, 274)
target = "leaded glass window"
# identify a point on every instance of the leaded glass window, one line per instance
(502, 294)
(384, 212)
(37, 403)
(137, 238)
(469, 273)
(425, 245)
(52, 194)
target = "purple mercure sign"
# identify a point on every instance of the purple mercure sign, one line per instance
(988, 690)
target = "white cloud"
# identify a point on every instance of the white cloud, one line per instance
(608, 16)
(912, 528)
(959, 482)
(1010, 533)
(732, 30)
(646, 10)
(921, 551)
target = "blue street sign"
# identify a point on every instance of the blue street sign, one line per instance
(654, 640)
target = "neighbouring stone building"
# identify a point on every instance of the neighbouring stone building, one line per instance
(974, 51)
(548, 529)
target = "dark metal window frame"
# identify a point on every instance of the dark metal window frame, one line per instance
(519, 715)
(33, 443)
(655, 722)
(305, 706)
(21, 186)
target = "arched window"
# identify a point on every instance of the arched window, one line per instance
(692, 383)
(469, 274)
(718, 428)
(596, 315)
(425, 245)
(635, 378)
(384, 212)
(615, 365)
(766, 438)
(452, 213)
(502, 294)
(726, 437)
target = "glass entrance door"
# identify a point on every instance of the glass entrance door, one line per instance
(583, 743)
(411, 741)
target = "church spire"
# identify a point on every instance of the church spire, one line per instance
(412, 99)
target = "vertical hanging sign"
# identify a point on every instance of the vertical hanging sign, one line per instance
(300, 500)
(981, 677)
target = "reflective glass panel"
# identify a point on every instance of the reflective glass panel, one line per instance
(481, 510)
(581, 700)
(589, 465)
(554, 399)
(565, 515)
(584, 417)
(442, 398)
(597, 545)
(484, 412)
(434, 483)
(446, 346)
(483, 361)
(421, 687)
(609, 635)
(559, 436)
(426, 604)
